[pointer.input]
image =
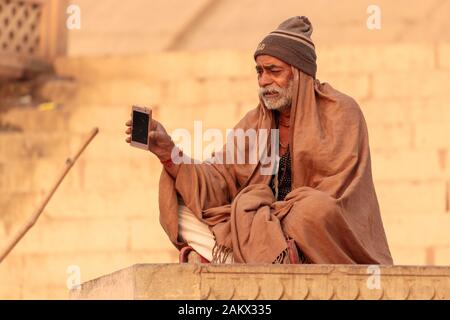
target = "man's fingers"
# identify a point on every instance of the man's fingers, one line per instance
(154, 136)
(153, 125)
(128, 130)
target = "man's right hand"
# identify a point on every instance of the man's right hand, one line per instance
(159, 142)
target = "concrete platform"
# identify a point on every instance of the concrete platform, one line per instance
(260, 282)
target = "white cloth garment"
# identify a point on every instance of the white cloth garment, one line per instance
(196, 233)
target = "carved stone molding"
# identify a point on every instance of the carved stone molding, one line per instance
(253, 282)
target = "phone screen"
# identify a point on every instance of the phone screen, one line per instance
(140, 127)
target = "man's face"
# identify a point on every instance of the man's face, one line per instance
(275, 81)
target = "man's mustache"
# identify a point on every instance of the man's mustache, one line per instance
(270, 89)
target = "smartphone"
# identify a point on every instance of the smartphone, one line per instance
(141, 118)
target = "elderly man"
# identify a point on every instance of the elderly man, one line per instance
(319, 206)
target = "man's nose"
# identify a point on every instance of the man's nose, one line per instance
(264, 80)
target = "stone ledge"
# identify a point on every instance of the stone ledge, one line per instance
(273, 282)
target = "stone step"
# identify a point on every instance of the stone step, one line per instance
(118, 92)
(412, 196)
(391, 137)
(401, 85)
(11, 277)
(90, 235)
(88, 174)
(426, 230)
(406, 254)
(17, 146)
(81, 235)
(174, 95)
(432, 136)
(440, 255)
(31, 119)
(110, 140)
(375, 57)
(19, 270)
(444, 55)
(394, 111)
(426, 136)
(409, 255)
(159, 67)
(410, 165)
(57, 147)
(109, 119)
(70, 203)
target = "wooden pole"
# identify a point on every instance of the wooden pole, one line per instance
(30, 223)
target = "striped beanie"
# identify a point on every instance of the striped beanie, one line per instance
(291, 42)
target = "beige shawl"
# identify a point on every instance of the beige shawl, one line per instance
(332, 212)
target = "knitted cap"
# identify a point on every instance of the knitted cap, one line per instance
(291, 42)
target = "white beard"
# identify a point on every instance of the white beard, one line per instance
(284, 99)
